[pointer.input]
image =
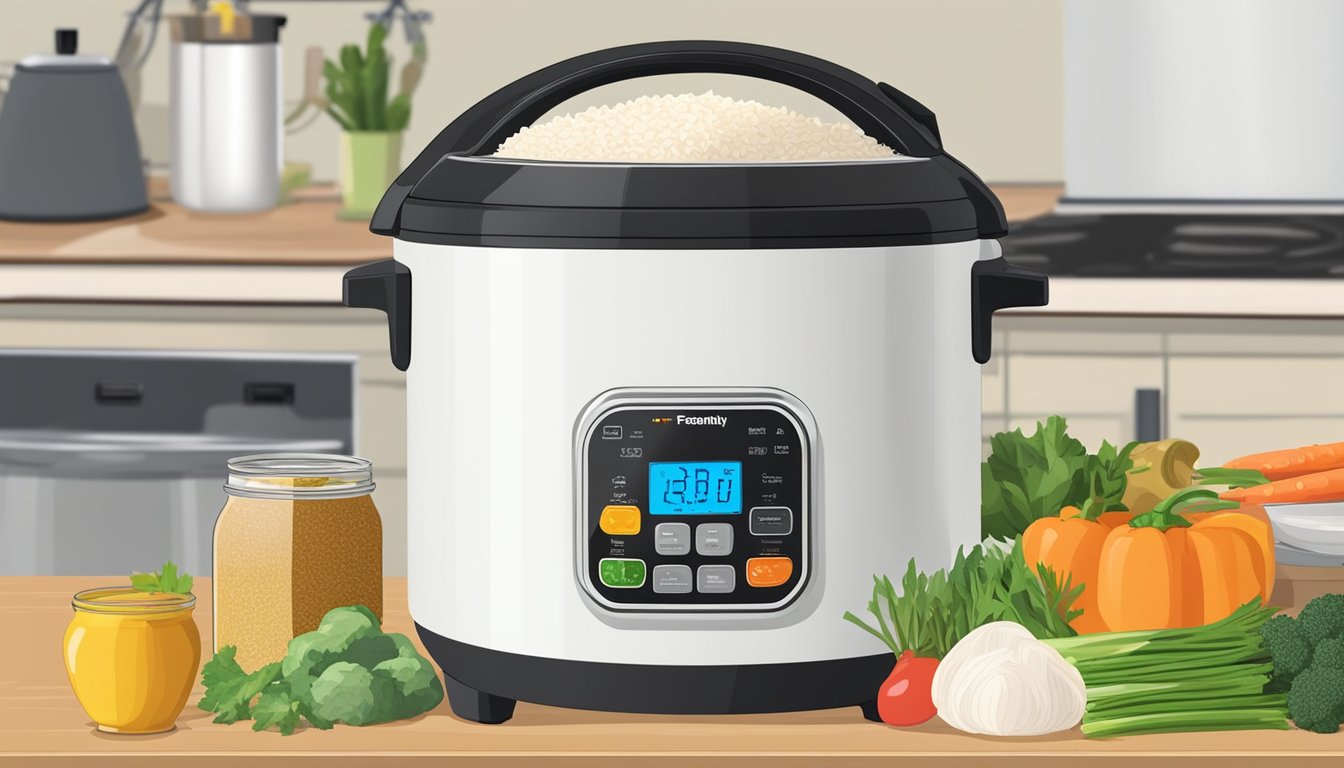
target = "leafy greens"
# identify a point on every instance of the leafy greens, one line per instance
(1026, 478)
(931, 612)
(347, 671)
(168, 579)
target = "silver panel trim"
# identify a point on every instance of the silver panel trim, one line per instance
(719, 398)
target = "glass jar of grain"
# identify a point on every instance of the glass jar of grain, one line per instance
(299, 536)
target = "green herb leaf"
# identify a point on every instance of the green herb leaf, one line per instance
(166, 580)
(222, 677)
(228, 689)
(276, 708)
(1027, 478)
(930, 613)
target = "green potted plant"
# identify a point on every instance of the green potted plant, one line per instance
(371, 123)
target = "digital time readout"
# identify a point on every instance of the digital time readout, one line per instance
(695, 488)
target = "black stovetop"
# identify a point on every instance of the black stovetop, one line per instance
(1180, 245)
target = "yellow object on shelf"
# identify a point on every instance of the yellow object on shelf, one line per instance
(132, 657)
(227, 15)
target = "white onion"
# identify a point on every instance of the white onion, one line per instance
(999, 680)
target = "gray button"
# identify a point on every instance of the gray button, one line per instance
(715, 579)
(672, 539)
(672, 579)
(771, 521)
(713, 539)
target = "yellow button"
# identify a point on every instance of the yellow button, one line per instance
(768, 571)
(620, 521)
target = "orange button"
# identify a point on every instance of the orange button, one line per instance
(620, 521)
(768, 571)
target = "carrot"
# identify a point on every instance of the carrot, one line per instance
(1277, 465)
(1320, 486)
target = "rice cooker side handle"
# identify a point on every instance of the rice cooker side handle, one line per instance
(384, 285)
(995, 285)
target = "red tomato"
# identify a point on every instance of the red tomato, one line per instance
(906, 697)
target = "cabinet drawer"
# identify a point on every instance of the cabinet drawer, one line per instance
(1235, 405)
(1256, 387)
(1095, 394)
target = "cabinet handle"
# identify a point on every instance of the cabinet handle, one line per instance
(1147, 415)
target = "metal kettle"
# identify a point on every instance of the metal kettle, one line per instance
(68, 147)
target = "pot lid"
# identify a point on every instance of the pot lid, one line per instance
(66, 58)
(456, 192)
(226, 28)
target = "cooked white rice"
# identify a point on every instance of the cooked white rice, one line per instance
(691, 128)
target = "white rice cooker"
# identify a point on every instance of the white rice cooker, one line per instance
(665, 422)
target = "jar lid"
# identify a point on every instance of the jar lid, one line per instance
(130, 601)
(299, 476)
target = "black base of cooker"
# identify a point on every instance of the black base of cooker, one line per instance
(483, 685)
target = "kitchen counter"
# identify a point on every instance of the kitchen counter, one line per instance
(294, 254)
(297, 254)
(41, 724)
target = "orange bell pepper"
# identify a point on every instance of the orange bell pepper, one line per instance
(1167, 569)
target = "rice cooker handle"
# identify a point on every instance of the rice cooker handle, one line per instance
(995, 285)
(385, 285)
(881, 111)
(858, 98)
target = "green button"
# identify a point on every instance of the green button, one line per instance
(616, 572)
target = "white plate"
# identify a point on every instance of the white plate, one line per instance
(1315, 528)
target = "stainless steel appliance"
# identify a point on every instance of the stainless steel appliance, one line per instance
(114, 461)
(68, 147)
(225, 112)
(1202, 139)
(668, 405)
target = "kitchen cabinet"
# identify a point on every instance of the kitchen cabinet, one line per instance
(1231, 386)
(379, 392)
(1088, 376)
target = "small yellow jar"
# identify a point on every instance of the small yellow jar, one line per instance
(132, 657)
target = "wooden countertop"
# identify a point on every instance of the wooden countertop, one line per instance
(41, 724)
(305, 232)
(302, 233)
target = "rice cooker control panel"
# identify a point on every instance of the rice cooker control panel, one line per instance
(700, 506)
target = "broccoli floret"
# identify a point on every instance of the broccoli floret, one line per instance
(1323, 617)
(415, 681)
(1289, 647)
(349, 693)
(1329, 654)
(1316, 700)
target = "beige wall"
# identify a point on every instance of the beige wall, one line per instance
(989, 68)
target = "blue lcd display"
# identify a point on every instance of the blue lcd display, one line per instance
(695, 488)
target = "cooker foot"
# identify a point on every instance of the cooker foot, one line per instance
(869, 708)
(477, 706)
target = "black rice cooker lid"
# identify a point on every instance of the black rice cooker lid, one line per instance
(456, 192)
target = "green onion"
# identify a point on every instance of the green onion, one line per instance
(1206, 678)
(1194, 720)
